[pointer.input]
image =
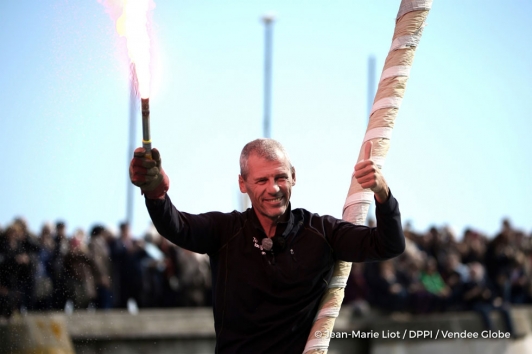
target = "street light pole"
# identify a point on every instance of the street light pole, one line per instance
(268, 29)
(266, 125)
(133, 108)
(370, 216)
(371, 83)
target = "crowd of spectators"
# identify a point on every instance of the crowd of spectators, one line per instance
(438, 273)
(101, 270)
(56, 271)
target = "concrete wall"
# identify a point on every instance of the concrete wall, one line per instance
(191, 331)
(425, 334)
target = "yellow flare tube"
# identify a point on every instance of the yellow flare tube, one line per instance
(146, 140)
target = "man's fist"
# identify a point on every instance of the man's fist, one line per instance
(148, 174)
(368, 175)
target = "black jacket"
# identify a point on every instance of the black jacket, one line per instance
(265, 301)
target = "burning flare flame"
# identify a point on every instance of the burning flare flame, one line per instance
(133, 25)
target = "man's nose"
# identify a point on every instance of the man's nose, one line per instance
(273, 187)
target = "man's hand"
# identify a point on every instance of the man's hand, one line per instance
(148, 174)
(368, 175)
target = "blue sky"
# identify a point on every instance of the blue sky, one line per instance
(460, 153)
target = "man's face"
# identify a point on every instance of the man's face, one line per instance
(269, 185)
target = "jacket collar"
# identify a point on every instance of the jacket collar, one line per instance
(283, 228)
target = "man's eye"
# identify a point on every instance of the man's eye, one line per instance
(261, 181)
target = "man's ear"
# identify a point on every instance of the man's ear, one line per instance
(241, 184)
(293, 176)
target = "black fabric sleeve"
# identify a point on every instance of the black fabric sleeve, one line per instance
(358, 243)
(198, 233)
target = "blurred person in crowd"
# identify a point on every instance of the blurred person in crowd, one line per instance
(23, 250)
(408, 269)
(432, 281)
(99, 252)
(455, 274)
(500, 258)
(43, 279)
(415, 237)
(420, 301)
(30, 248)
(11, 261)
(80, 273)
(480, 295)
(473, 247)
(270, 264)
(171, 285)
(429, 242)
(519, 279)
(61, 248)
(153, 270)
(453, 265)
(449, 244)
(127, 258)
(413, 250)
(526, 247)
(17, 273)
(438, 242)
(388, 293)
(528, 292)
(357, 291)
(506, 227)
(194, 277)
(117, 246)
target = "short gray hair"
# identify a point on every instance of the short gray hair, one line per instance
(269, 149)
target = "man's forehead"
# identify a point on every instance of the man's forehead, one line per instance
(258, 163)
(272, 156)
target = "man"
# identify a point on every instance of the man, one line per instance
(270, 264)
(61, 247)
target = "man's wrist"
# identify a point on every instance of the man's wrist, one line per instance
(382, 195)
(157, 193)
(154, 196)
(160, 191)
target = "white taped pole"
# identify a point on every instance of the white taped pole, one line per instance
(407, 34)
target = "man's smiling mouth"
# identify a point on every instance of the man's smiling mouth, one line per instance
(274, 200)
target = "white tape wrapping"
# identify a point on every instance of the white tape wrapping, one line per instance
(413, 5)
(394, 71)
(338, 281)
(386, 102)
(380, 132)
(328, 312)
(356, 213)
(408, 41)
(318, 343)
(356, 205)
(365, 197)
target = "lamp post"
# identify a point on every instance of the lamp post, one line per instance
(268, 20)
(268, 29)
(371, 82)
(370, 216)
(133, 108)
